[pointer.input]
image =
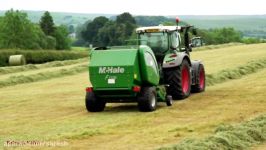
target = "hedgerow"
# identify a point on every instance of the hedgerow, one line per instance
(40, 56)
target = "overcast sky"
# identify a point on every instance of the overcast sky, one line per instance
(143, 7)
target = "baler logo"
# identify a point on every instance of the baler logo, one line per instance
(104, 70)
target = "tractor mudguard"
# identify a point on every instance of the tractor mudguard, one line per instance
(175, 59)
(195, 70)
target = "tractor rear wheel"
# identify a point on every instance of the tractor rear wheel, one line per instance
(93, 103)
(147, 100)
(179, 80)
(200, 80)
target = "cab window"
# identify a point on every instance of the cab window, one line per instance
(157, 41)
(175, 40)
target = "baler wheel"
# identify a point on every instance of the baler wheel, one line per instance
(147, 100)
(93, 103)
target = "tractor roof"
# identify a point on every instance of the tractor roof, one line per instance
(159, 28)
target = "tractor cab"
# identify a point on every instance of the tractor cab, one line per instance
(161, 39)
(166, 39)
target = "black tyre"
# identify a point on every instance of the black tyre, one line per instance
(179, 80)
(93, 103)
(169, 100)
(147, 100)
(200, 80)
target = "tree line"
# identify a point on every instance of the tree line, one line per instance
(18, 32)
(103, 31)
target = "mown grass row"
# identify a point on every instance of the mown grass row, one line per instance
(227, 137)
(236, 73)
(211, 79)
(14, 69)
(209, 47)
(14, 80)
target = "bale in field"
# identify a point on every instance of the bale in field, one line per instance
(17, 60)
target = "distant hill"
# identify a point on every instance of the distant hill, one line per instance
(250, 25)
(62, 17)
(240, 22)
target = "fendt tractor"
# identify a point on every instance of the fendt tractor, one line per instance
(159, 69)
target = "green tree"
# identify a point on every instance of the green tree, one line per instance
(91, 31)
(152, 20)
(57, 37)
(111, 34)
(115, 32)
(61, 36)
(17, 32)
(103, 32)
(125, 18)
(220, 36)
(128, 20)
(47, 23)
(51, 42)
(1, 32)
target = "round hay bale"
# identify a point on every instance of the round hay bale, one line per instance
(17, 60)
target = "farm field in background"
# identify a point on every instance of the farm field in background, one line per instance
(230, 57)
(54, 109)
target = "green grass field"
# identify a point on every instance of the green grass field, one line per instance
(53, 110)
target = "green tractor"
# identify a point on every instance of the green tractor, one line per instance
(197, 42)
(159, 69)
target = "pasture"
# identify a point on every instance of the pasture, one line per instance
(52, 109)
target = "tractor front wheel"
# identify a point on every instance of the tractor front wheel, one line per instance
(179, 80)
(147, 100)
(93, 103)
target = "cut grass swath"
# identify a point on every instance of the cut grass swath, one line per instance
(227, 137)
(236, 73)
(211, 79)
(6, 70)
(14, 80)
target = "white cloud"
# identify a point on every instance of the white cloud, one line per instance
(144, 7)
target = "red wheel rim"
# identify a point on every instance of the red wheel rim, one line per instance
(201, 78)
(185, 79)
